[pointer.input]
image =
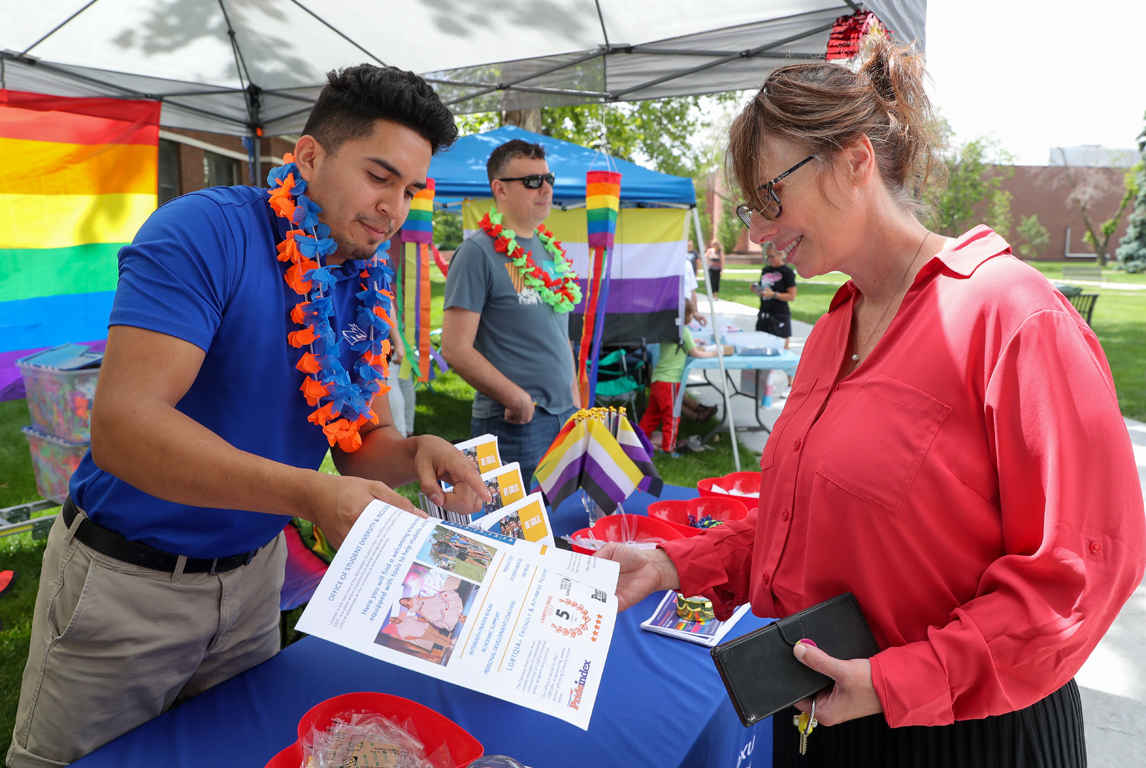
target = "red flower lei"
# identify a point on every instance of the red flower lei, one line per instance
(562, 293)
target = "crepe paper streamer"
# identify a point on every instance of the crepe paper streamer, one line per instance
(80, 177)
(440, 261)
(598, 451)
(602, 206)
(848, 32)
(343, 398)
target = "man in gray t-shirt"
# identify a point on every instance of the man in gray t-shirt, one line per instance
(497, 332)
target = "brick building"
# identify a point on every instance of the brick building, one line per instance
(191, 160)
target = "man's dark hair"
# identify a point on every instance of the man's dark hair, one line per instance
(510, 150)
(354, 97)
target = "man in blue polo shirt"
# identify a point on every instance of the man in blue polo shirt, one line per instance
(162, 573)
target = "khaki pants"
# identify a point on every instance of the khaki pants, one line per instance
(114, 645)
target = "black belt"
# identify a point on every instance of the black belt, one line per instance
(112, 544)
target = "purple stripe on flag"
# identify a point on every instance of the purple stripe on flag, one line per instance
(639, 295)
(571, 472)
(604, 498)
(595, 472)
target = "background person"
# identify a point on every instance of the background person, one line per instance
(952, 451)
(666, 383)
(715, 257)
(776, 289)
(162, 574)
(504, 336)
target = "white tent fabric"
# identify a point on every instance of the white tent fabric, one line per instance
(231, 66)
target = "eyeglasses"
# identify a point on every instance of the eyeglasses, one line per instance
(534, 180)
(772, 207)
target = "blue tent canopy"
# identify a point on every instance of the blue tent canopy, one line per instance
(460, 172)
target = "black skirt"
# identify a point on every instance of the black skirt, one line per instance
(1047, 734)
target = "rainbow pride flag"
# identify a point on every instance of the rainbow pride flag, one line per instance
(80, 176)
(602, 204)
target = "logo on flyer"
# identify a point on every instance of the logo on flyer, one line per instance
(578, 690)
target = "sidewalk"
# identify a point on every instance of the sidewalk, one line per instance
(1112, 681)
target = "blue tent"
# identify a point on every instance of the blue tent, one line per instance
(460, 172)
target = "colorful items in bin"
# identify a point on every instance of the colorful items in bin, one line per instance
(598, 450)
(60, 383)
(740, 485)
(54, 460)
(681, 514)
(631, 530)
(446, 744)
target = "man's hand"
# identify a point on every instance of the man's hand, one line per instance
(520, 411)
(851, 697)
(643, 571)
(436, 460)
(341, 499)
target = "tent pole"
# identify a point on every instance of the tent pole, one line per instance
(716, 339)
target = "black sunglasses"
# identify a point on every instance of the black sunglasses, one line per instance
(772, 206)
(534, 180)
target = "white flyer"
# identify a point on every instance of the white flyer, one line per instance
(523, 622)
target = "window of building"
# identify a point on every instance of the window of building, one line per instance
(219, 171)
(168, 171)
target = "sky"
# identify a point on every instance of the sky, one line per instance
(1038, 75)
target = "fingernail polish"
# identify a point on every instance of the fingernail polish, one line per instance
(806, 641)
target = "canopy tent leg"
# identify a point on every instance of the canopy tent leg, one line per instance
(716, 340)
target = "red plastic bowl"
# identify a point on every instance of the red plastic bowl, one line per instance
(432, 729)
(624, 527)
(675, 513)
(747, 482)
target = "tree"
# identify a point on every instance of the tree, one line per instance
(974, 172)
(730, 227)
(999, 213)
(448, 230)
(1132, 250)
(1033, 237)
(1087, 188)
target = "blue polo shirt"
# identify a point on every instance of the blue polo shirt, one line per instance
(203, 268)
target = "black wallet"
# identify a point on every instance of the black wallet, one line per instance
(762, 676)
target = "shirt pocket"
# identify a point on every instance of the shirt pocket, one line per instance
(881, 440)
(797, 399)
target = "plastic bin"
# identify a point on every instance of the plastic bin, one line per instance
(60, 385)
(53, 461)
(622, 528)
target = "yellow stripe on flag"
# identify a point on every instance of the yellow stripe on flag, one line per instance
(603, 201)
(634, 225)
(61, 221)
(422, 204)
(51, 168)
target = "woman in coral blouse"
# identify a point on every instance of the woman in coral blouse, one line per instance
(952, 451)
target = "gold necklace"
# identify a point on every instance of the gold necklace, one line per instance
(858, 352)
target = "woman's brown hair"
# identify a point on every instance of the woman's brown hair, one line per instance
(825, 107)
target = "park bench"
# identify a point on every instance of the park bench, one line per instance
(1084, 303)
(1082, 271)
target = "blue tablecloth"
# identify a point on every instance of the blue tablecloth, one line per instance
(661, 704)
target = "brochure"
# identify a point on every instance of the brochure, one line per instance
(482, 451)
(665, 621)
(524, 519)
(511, 618)
(504, 485)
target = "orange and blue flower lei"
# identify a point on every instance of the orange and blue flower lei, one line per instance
(343, 397)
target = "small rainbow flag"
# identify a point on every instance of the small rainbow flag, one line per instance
(80, 176)
(602, 204)
(419, 226)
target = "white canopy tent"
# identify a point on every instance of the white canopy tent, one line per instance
(234, 66)
(254, 67)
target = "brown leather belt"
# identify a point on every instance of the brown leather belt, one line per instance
(112, 544)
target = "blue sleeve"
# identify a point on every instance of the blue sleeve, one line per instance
(177, 275)
(469, 280)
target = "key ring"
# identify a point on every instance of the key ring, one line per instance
(812, 715)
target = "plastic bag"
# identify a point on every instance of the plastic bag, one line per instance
(366, 740)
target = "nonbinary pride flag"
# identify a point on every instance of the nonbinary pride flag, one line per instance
(80, 177)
